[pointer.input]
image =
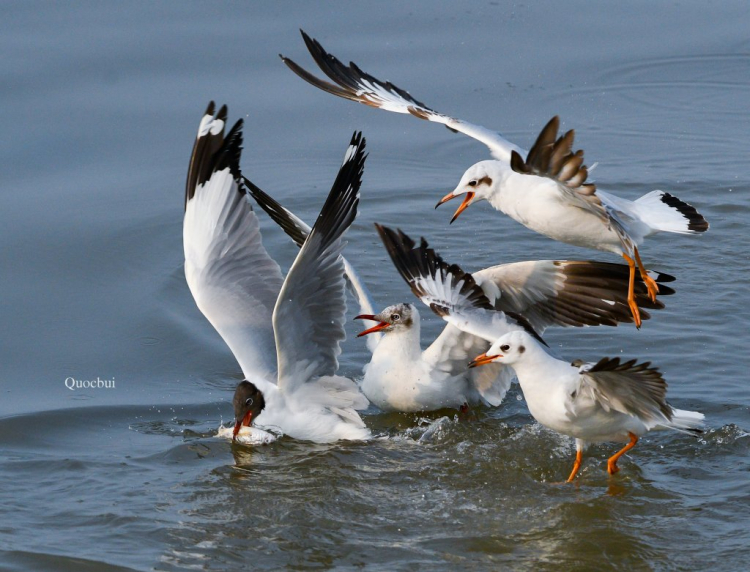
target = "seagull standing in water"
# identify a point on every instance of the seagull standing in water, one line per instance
(546, 192)
(284, 332)
(592, 402)
(401, 376)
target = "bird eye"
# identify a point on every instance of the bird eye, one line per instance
(249, 401)
(504, 347)
(473, 183)
(395, 317)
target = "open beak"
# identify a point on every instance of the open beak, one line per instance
(238, 424)
(483, 359)
(467, 201)
(380, 326)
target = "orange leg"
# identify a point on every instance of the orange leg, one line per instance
(631, 297)
(576, 466)
(653, 287)
(612, 467)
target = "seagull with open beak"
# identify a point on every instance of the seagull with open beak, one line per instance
(544, 189)
(592, 402)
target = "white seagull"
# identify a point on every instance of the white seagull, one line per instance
(547, 192)
(285, 333)
(403, 377)
(592, 402)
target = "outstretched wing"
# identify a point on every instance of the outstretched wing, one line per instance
(553, 158)
(354, 84)
(309, 317)
(567, 292)
(634, 389)
(453, 295)
(298, 230)
(233, 280)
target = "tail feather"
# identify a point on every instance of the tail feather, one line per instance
(664, 212)
(687, 421)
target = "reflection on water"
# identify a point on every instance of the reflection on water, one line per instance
(105, 104)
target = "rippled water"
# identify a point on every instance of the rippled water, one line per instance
(101, 106)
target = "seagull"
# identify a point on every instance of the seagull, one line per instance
(547, 191)
(591, 402)
(284, 332)
(403, 377)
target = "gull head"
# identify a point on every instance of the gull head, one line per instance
(477, 184)
(396, 318)
(508, 349)
(248, 403)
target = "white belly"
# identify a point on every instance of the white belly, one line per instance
(535, 203)
(411, 387)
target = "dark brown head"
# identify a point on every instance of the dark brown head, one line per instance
(248, 403)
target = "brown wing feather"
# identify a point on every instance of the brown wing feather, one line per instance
(631, 388)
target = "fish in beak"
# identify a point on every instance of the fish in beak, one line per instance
(238, 424)
(380, 326)
(467, 201)
(483, 359)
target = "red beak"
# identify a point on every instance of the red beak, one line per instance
(245, 421)
(467, 199)
(380, 326)
(483, 359)
(446, 198)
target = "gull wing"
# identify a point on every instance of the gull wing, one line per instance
(309, 316)
(356, 85)
(553, 157)
(298, 230)
(568, 292)
(233, 280)
(473, 324)
(630, 388)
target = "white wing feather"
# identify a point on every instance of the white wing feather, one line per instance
(298, 230)
(309, 316)
(233, 280)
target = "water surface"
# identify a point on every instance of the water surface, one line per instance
(102, 103)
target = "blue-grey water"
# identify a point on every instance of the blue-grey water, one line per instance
(100, 105)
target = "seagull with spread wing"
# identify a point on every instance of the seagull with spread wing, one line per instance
(403, 377)
(547, 191)
(284, 332)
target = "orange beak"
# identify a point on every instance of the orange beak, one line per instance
(467, 200)
(380, 326)
(483, 359)
(238, 425)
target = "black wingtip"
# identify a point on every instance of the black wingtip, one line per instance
(417, 262)
(222, 115)
(696, 221)
(277, 212)
(340, 208)
(213, 152)
(526, 325)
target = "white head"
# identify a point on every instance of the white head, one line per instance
(477, 184)
(396, 318)
(509, 349)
